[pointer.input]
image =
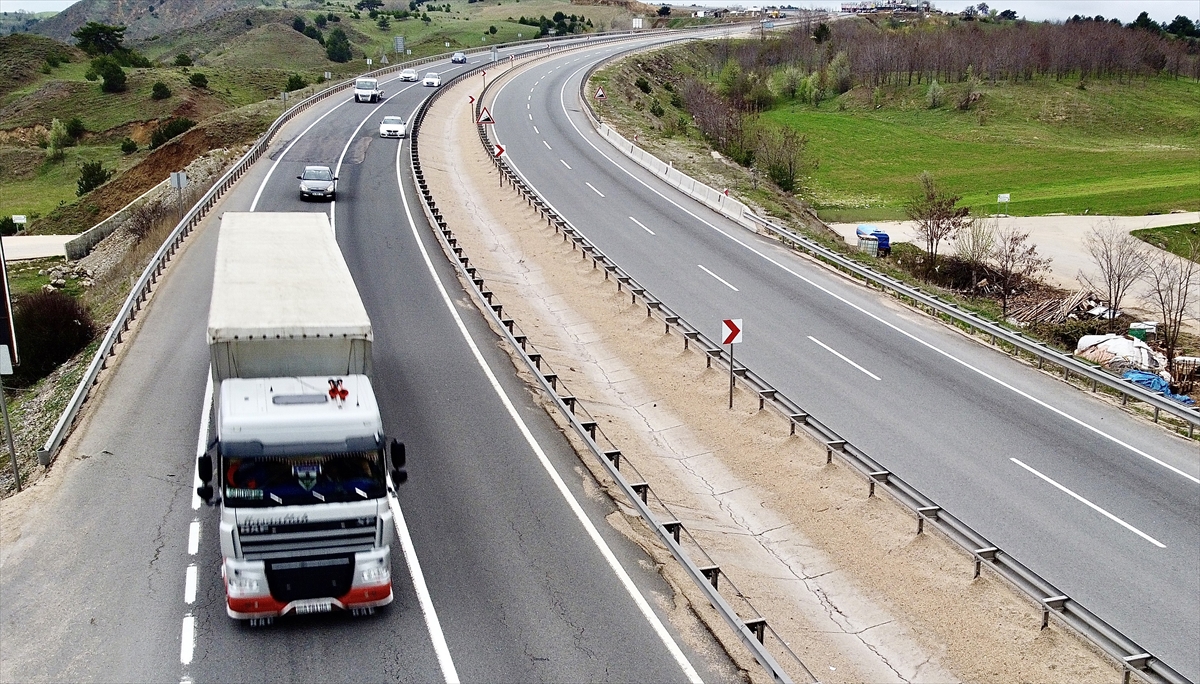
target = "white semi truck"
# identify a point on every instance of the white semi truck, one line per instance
(300, 456)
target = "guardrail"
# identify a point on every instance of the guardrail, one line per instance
(140, 290)
(1132, 658)
(671, 531)
(744, 216)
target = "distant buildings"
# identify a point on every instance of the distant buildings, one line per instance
(870, 6)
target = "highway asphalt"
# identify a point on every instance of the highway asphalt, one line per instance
(1100, 503)
(116, 576)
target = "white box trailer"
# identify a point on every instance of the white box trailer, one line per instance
(283, 301)
(300, 453)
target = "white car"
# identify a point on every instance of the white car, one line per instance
(367, 90)
(392, 127)
(432, 80)
(318, 181)
(409, 75)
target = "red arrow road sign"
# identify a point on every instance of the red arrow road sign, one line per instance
(497, 150)
(485, 117)
(731, 331)
(600, 94)
(470, 99)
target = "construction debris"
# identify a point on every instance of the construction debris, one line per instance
(1080, 305)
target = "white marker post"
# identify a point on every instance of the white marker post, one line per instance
(1002, 198)
(731, 333)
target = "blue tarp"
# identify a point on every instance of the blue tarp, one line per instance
(1153, 382)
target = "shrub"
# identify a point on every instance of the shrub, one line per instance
(935, 95)
(320, 20)
(492, 30)
(315, 33)
(8, 226)
(52, 327)
(298, 24)
(642, 84)
(128, 146)
(169, 130)
(295, 82)
(198, 80)
(160, 91)
(58, 140)
(337, 47)
(656, 109)
(182, 60)
(91, 176)
(75, 129)
(108, 69)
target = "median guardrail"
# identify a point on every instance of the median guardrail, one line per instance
(1051, 601)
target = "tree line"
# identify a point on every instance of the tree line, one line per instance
(956, 51)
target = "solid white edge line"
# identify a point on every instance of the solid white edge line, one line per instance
(189, 585)
(640, 224)
(719, 278)
(1093, 506)
(433, 625)
(626, 581)
(202, 438)
(193, 537)
(929, 345)
(187, 640)
(592, 187)
(841, 356)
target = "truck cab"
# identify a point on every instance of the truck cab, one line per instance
(305, 521)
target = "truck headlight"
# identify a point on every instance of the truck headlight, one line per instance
(375, 574)
(244, 584)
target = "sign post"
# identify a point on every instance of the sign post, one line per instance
(1002, 198)
(731, 334)
(8, 358)
(179, 182)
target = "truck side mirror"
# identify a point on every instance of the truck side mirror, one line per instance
(205, 492)
(299, 177)
(204, 467)
(399, 474)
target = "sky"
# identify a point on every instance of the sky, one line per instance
(1037, 10)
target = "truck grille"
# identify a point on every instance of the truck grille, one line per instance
(303, 539)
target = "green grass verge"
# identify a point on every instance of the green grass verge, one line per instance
(1123, 149)
(53, 184)
(1180, 240)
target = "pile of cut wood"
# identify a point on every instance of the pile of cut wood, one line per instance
(1057, 308)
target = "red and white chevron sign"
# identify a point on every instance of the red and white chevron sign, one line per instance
(731, 331)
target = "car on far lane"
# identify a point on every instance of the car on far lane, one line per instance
(318, 181)
(409, 75)
(432, 80)
(458, 58)
(392, 127)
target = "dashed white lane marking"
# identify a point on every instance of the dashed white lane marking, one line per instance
(189, 585)
(535, 130)
(841, 356)
(1093, 506)
(547, 145)
(526, 105)
(723, 281)
(643, 227)
(593, 188)
(187, 641)
(565, 164)
(193, 537)
(531, 117)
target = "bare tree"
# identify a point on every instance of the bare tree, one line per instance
(1015, 260)
(936, 213)
(974, 244)
(781, 155)
(1172, 282)
(1119, 260)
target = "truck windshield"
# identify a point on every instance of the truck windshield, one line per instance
(303, 480)
(365, 84)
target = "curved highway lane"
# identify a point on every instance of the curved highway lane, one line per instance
(1100, 503)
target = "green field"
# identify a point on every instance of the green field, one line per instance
(54, 183)
(1175, 239)
(1124, 149)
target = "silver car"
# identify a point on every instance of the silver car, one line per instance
(318, 181)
